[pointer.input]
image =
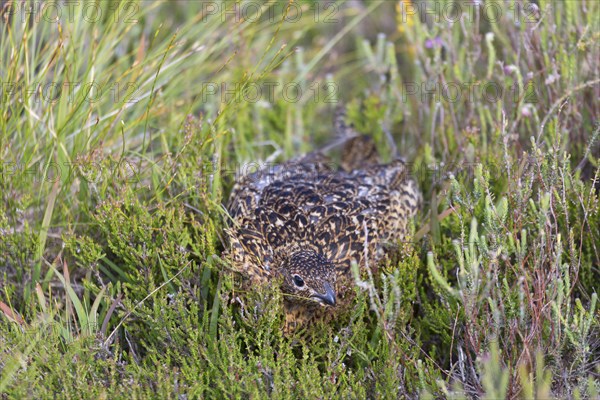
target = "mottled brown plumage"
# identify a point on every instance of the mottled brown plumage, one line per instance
(302, 223)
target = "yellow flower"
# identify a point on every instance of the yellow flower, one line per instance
(406, 12)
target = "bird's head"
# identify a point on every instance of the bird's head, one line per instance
(309, 276)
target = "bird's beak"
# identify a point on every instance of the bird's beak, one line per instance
(328, 297)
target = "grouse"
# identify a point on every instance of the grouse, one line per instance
(302, 223)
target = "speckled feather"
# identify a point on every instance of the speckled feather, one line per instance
(308, 218)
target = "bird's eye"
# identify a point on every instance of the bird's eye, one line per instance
(298, 281)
